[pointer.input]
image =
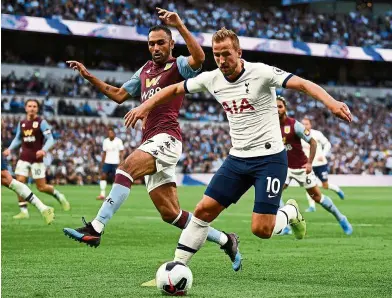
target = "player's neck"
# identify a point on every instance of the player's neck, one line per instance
(282, 119)
(31, 117)
(162, 63)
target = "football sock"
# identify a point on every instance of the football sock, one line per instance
(333, 187)
(25, 192)
(191, 240)
(214, 235)
(328, 205)
(56, 194)
(118, 194)
(311, 202)
(283, 217)
(23, 207)
(102, 185)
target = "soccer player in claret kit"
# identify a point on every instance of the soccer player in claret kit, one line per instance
(35, 138)
(320, 163)
(157, 157)
(300, 167)
(247, 93)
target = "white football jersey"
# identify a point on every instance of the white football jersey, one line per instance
(112, 149)
(323, 148)
(250, 105)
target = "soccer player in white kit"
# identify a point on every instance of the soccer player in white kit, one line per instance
(320, 162)
(258, 158)
(112, 155)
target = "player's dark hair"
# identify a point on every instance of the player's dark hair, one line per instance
(111, 129)
(31, 99)
(281, 98)
(161, 27)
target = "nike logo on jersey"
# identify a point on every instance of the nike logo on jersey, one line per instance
(270, 197)
(217, 91)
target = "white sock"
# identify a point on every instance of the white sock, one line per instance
(191, 240)
(98, 226)
(102, 185)
(311, 202)
(333, 187)
(283, 217)
(25, 192)
(23, 207)
(56, 194)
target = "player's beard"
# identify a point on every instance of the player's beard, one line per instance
(159, 59)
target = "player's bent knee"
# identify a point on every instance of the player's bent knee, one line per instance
(6, 178)
(264, 231)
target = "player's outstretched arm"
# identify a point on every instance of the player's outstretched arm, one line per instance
(141, 112)
(339, 109)
(197, 56)
(119, 95)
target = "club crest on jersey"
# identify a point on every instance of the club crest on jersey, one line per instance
(287, 129)
(35, 124)
(153, 81)
(168, 66)
(306, 132)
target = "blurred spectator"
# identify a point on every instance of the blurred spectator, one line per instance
(285, 23)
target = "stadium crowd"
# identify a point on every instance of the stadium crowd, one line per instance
(363, 147)
(353, 29)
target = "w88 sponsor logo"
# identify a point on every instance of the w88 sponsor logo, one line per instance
(147, 94)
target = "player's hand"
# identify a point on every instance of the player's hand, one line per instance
(308, 168)
(169, 18)
(40, 154)
(141, 112)
(75, 65)
(6, 152)
(341, 110)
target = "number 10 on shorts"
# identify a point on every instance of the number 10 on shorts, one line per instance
(273, 185)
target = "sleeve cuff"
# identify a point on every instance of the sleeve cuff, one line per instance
(185, 87)
(286, 80)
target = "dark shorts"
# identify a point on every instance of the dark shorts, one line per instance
(4, 163)
(266, 173)
(321, 172)
(109, 169)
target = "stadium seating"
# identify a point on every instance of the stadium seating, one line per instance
(354, 28)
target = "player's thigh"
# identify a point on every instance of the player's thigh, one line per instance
(38, 170)
(6, 178)
(22, 169)
(270, 179)
(21, 178)
(138, 164)
(165, 200)
(229, 183)
(208, 209)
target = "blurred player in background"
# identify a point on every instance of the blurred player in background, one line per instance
(35, 138)
(300, 167)
(320, 163)
(157, 157)
(112, 155)
(247, 93)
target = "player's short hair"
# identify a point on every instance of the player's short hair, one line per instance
(224, 33)
(32, 99)
(110, 128)
(161, 27)
(281, 98)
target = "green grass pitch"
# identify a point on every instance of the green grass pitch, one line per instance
(39, 261)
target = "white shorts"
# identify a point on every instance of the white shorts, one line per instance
(167, 151)
(37, 169)
(303, 179)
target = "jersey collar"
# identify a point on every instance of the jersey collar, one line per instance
(239, 75)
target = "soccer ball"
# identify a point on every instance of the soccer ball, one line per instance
(174, 278)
